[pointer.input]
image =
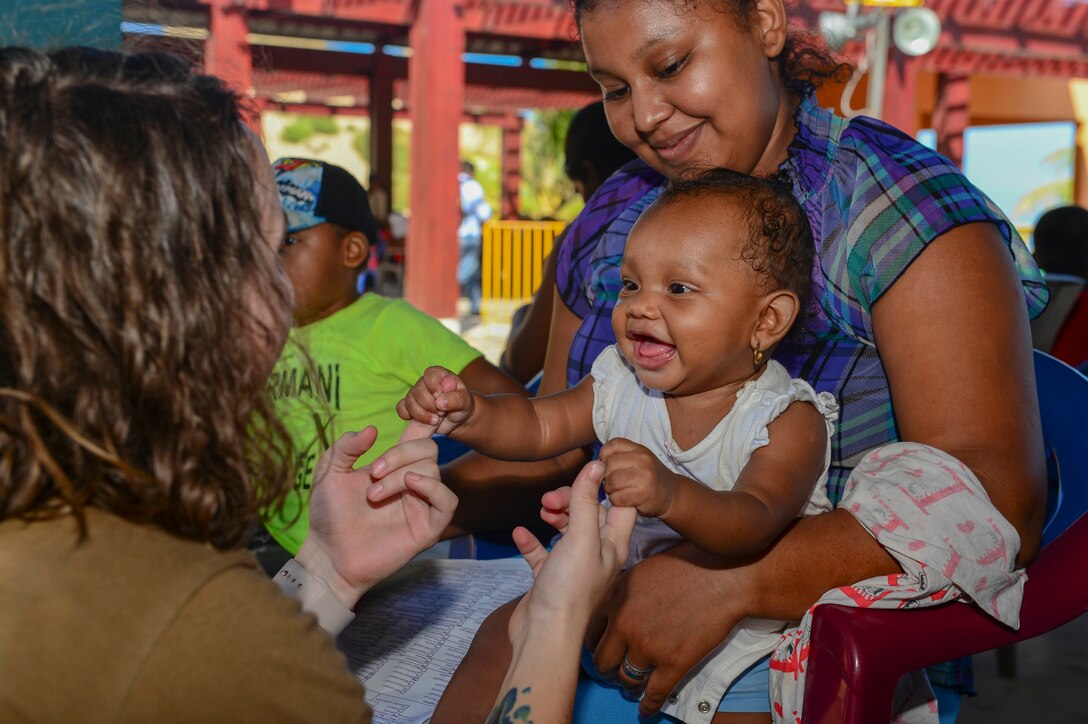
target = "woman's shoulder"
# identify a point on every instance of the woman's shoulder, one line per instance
(198, 624)
(866, 156)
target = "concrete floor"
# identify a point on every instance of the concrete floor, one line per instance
(1051, 683)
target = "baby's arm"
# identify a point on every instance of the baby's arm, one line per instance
(504, 426)
(771, 490)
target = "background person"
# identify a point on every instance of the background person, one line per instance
(913, 262)
(474, 212)
(1061, 247)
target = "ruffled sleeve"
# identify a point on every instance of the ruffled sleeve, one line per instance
(767, 398)
(609, 372)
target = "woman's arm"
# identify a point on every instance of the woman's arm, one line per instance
(549, 623)
(953, 336)
(527, 346)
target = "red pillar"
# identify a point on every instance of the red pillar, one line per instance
(381, 131)
(436, 76)
(901, 93)
(227, 53)
(951, 115)
(511, 125)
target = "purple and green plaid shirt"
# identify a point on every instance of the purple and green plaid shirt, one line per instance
(875, 198)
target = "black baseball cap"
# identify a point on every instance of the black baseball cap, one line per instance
(314, 192)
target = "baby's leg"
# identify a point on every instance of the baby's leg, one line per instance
(472, 691)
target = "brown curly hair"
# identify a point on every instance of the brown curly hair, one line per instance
(804, 62)
(130, 255)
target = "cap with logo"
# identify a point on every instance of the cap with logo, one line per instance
(314, 192)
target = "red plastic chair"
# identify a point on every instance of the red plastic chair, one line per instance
(857, 655)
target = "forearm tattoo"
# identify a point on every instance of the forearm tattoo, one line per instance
(507, 711)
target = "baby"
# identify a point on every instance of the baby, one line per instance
(704, 434)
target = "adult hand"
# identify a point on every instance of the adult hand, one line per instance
(635, 477)
(666, 613)
(571, 579)
(439, 398)
(353, 541)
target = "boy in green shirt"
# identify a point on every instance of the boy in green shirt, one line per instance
(362, 351)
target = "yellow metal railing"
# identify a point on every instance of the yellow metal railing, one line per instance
(513, 262)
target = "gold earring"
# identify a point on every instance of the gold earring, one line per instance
(757, 356)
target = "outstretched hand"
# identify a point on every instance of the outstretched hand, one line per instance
(354, 541)
(574, 577)
(440, 399)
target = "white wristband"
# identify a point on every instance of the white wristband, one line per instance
(315, 596)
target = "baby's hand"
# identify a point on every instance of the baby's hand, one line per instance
(439, 398)
(635, 477)
(555, 508)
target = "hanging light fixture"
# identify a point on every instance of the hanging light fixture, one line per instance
(915, 32)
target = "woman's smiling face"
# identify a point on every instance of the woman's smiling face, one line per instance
(686, 86)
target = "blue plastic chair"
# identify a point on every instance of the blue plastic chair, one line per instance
(857, 655)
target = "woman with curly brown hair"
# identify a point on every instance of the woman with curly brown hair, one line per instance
(142, 306)
(141, 309)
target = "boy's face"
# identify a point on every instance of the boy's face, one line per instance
(689, 305)
(314, 261)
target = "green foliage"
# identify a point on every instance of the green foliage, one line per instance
(305, 126)
(546, 192)
(1058, 192)
(402, 142)
(482, 147)
(360, 143)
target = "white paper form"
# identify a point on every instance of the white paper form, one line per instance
(411, 633)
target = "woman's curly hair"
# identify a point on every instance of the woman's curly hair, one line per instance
(131, 257)
(804, 62)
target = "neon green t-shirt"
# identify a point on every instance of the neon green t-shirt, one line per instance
(365, 357)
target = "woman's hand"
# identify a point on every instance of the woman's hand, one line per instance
(549, 623)
(355, 542)
(666, 613)
(573, 578)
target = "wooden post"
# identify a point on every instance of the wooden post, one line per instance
(951, 115)
(511, 125)
(227, 54)
(436, 76)
(901, 93)
(381, 132)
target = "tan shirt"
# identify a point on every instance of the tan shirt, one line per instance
(137, 625)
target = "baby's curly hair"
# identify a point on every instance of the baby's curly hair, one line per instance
(130, 258)
(779, 247)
